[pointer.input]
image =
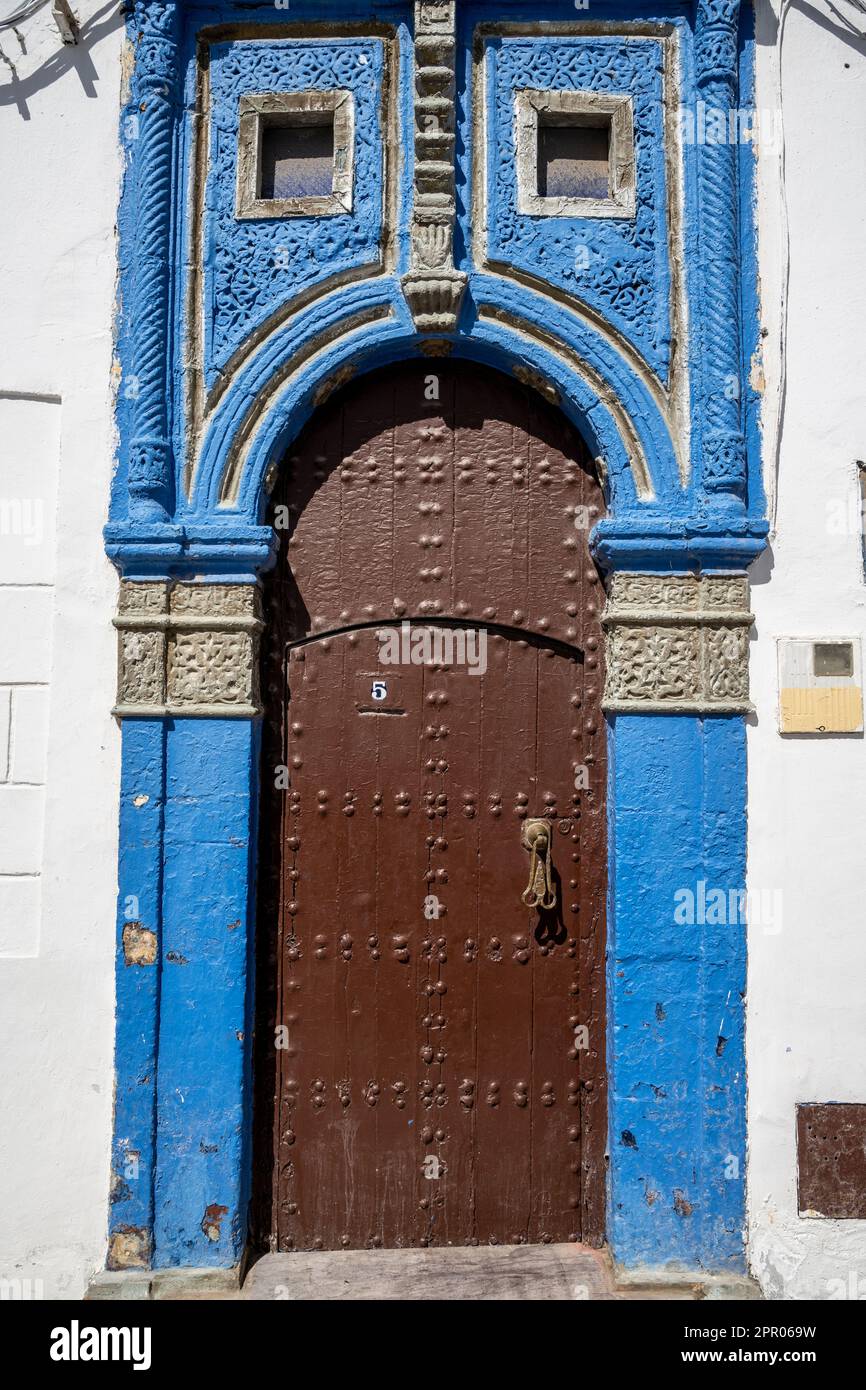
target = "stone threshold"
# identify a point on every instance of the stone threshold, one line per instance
(538, 1273)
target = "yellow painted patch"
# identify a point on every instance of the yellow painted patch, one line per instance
(834, 709)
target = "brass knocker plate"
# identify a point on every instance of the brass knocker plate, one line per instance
(537, 835)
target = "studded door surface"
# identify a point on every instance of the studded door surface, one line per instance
(430, 1050)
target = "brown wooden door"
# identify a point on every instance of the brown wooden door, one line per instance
(430, 1051)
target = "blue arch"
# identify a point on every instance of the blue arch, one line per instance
(504, 326)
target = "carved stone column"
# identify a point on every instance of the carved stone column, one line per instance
(433, 288)
(156, 95)
(188, 649)
(723, 445)
(677, 644)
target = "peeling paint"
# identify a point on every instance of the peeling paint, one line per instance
(211, 1223)
(139, 944)
(119, 1189)
(127, 64)
(682, 1206)
(128, 1248)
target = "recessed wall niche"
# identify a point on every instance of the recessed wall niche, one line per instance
(295, 154)
(575, 154)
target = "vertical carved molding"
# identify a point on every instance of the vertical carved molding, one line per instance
(724, 450)
(433, 288)
(155, 88)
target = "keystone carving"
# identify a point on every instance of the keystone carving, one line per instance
(434, 290)
(678, 644)
(187, 649)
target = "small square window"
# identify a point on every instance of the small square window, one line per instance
(833, 658)
(574, 160)
(297, 161)
(575, 154)
(295, 154)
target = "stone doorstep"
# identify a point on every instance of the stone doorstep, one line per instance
(522, 1273)
(164, 1284)
(118, 1284)
(670, 1282)
(507, 1273)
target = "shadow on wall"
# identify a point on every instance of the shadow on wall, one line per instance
(68, 58)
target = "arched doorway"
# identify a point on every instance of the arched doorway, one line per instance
(430, 1049)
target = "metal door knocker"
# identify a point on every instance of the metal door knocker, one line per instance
(536, 836)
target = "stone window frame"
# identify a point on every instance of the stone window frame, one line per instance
(255, 110)
(530, 106)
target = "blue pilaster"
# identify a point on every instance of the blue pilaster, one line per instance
(676, 992)
(204, 1100)
(139, 924)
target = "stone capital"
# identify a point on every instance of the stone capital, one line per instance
(187, 649)
(677, 644)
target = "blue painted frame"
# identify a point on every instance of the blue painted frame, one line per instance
(189, 787)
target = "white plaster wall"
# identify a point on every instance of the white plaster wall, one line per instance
(807, 795)
(59, 748)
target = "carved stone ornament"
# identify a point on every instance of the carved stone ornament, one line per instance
(156, 94)
(724, 447)
(434, 290)
(187, 649)
(678, 644)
